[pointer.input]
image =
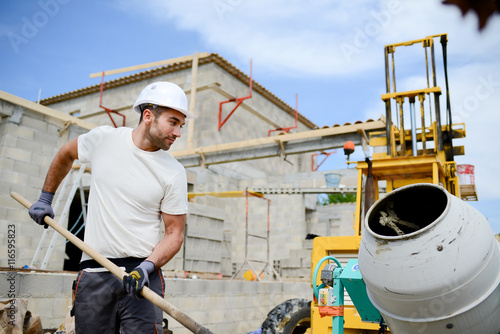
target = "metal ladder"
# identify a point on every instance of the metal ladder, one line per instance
(75, 183)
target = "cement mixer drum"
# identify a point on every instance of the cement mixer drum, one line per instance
(431, 263)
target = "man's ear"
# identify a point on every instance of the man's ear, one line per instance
(147, 116)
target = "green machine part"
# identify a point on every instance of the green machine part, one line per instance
(356, 288)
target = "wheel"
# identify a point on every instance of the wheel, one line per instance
(290, 317)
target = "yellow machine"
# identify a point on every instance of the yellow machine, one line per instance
(401, 156)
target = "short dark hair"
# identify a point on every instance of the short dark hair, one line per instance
(155, 109)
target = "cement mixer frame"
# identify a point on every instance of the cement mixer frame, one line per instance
(420, 154)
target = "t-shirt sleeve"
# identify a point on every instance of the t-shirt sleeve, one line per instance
(89, 141)
(175, 200)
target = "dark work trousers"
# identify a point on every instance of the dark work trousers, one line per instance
(103, 306)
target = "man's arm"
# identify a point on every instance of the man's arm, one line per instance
(61, 165)
(58, 170)
(172, 241)
(163, 252)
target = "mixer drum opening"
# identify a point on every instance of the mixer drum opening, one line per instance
(407, 211)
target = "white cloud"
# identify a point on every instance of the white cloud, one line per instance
(320, 38)
(340, 39)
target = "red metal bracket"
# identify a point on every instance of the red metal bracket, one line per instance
(238, 101)
(326, 154)
(109, 111)
(291, 127)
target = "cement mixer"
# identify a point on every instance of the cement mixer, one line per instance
(420, 259)
(431, 263)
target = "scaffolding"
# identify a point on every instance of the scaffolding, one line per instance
(247, 262)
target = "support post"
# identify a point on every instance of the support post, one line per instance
(402, 140)
(437, 109)
(192, 102)
(413, 119)
(421, 98)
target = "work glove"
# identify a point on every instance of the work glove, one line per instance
(42, 208)
(138, 278)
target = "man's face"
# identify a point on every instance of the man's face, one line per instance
(165, 129)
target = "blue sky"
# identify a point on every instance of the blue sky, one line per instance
(330, 53)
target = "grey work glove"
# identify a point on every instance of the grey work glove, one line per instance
(138, 278)
(42, 208)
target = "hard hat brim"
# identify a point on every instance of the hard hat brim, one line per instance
(188, 114)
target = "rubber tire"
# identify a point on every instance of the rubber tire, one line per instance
(290, 317)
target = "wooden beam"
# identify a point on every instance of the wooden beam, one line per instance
(304, 135)
(411, 93)
(46, 110)
(148, 65)
(192, 102)
(282, 145)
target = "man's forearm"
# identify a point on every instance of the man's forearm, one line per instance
(166, 249)
(60, 166)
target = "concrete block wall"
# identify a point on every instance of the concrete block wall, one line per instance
(28, 143)
(48, 294)
(335, 220)
(223, 306)
(204, 238)
(298, 265)
(202, 250)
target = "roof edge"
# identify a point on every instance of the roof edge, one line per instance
(16, 100)
(211, 58)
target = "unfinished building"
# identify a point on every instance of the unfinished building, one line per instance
(250, 161)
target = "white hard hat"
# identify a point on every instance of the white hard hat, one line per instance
(165, 94)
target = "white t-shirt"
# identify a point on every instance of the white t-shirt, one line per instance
(129, 189)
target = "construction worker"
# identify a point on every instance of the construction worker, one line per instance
(136, 183)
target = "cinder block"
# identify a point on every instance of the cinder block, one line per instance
(44, 138)
(41, 285)
(26, 168)
(62, 305)
(43, 160)
(23, 241)
(33, 123)
(42, 306)
(54, 127)
(9, 282)
(217, 316)
(6, 163)
(20, 131)
(15, 153)
(189, 303)
(300, 289)
(8, 139)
